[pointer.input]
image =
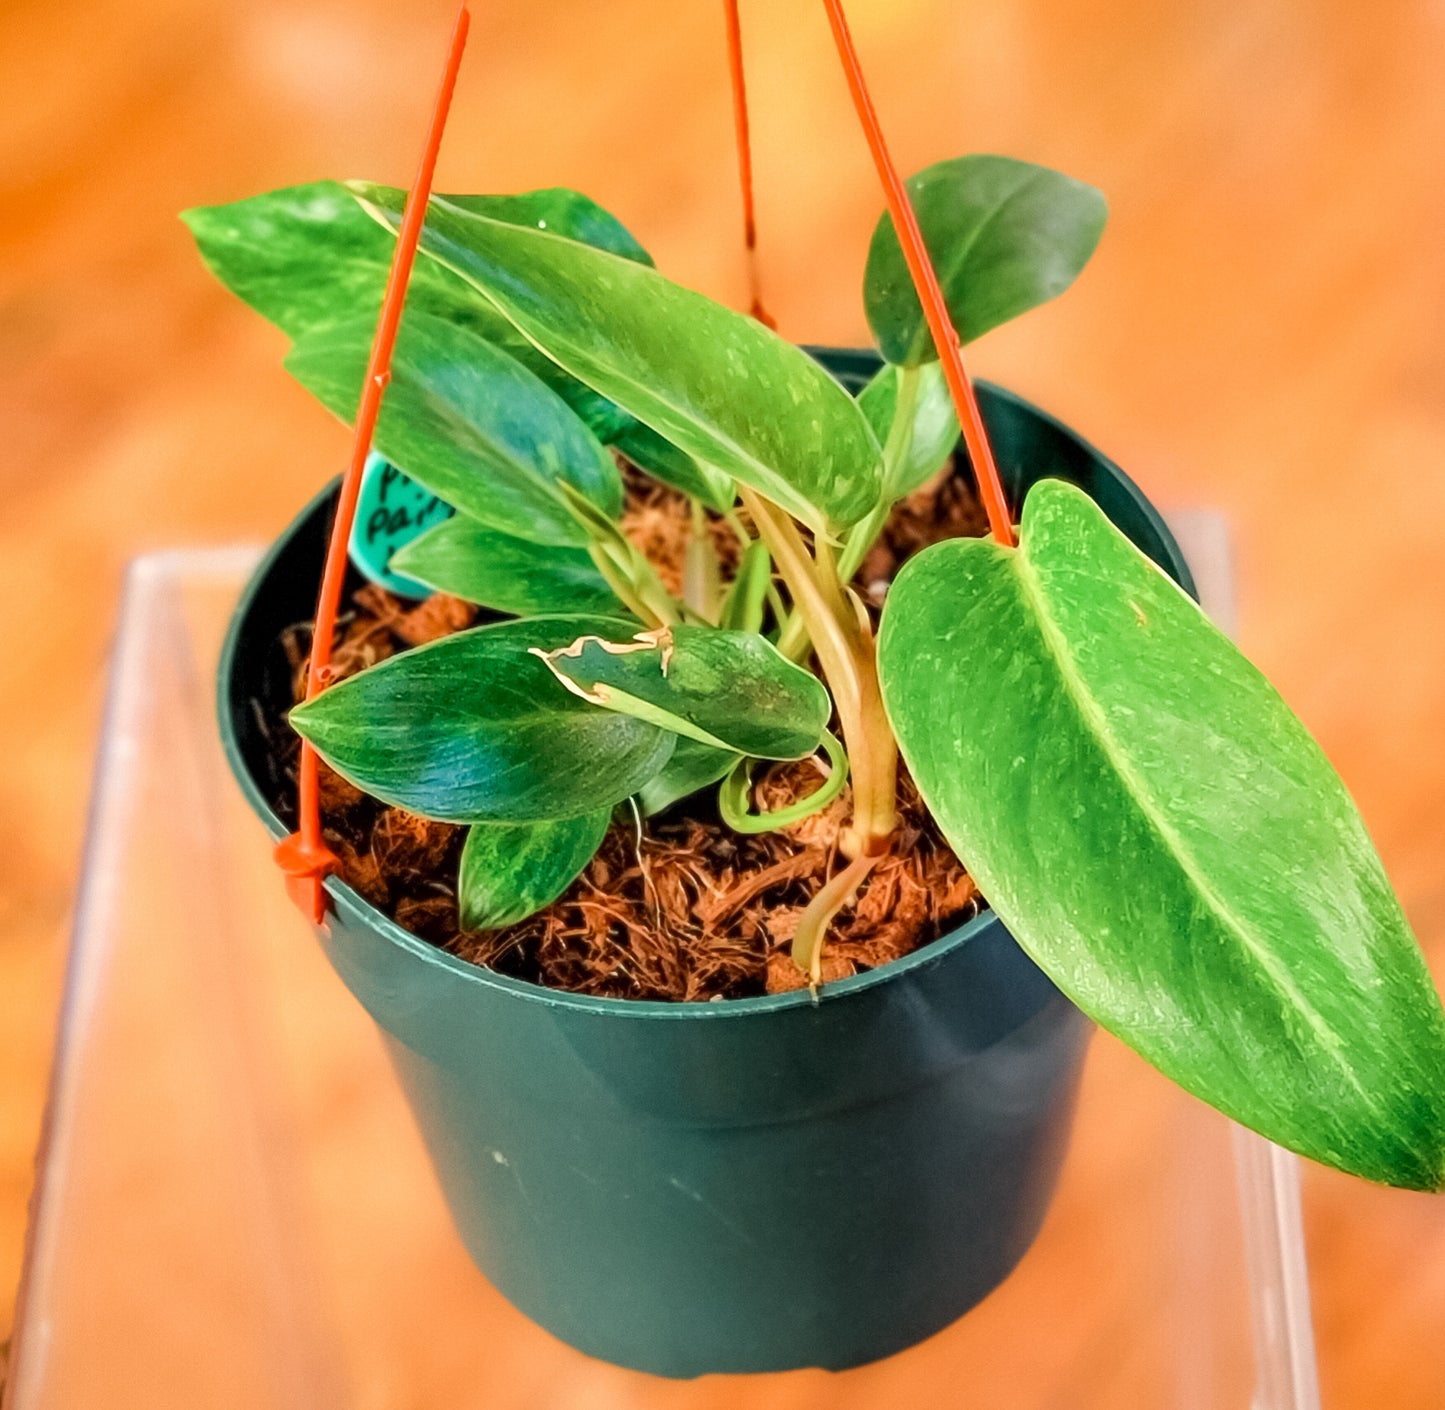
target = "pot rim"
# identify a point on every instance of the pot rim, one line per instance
(345, 898)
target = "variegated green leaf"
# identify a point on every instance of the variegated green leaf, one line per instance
(1005, 236)
(507, 574)
(1163, 836)
(511, 870)
(730, 690)
(469, 423)
(475, 728)
(713, 382)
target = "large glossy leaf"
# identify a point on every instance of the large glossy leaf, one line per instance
(307, 256)
(474, 728)
(933, 432)
(507, 574)
(469, 423)
(574, 217)
(559, 211)
(1163, 836)
(1005, 236)
(511, 870)
(713, 382)
(731, 690)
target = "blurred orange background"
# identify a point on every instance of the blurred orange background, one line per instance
(1261, 331)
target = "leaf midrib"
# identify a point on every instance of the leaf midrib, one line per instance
(1096, 724)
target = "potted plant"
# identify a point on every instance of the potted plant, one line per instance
(825, 1173)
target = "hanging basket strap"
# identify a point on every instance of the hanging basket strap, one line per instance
(745, 161)
(305, 866)
(303, 857)
(925, 281)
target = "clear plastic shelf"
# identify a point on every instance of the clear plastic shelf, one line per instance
(233, 1208)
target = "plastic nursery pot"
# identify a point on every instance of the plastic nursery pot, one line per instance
(747, 1185)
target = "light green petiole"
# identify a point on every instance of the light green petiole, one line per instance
(794, 642)
(895, 453)
(733, 796)
(627, 570)
(701, 572)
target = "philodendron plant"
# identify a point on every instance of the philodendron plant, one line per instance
(1136, 802)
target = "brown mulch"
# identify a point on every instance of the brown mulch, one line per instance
(691, 910)
(679, 907)
(657, 520)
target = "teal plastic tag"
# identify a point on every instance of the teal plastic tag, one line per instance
(392, 511)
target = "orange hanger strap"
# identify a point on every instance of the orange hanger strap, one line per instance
(305, 867)
(925, 280)
(745, 158)
(304, 857)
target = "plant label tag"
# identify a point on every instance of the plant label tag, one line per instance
(392, 510)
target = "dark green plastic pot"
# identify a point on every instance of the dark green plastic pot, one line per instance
(748, 1185)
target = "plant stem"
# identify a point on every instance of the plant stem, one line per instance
(775, 598)
(735, 795)
(895, 452)
(730, 518)
(622, 587)
(844, 646)
(793, 642)
(628, 572)
(660, 603)
(813, 924)
(701, 572)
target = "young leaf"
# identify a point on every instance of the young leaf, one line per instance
(306, 257)
(743, 607)
(1165, 839)
(507, 574)
(469, 423)
(511, 870)
(692, 767)
(730, 690)
(474, 728)
(934, 432)
(715, 383)
(1005, 236)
